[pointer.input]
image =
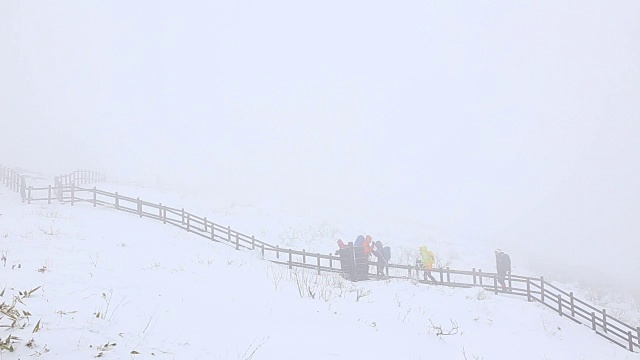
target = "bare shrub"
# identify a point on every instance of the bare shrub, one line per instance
(309, 237)
(104, 310)
(408, 255)
(361, 292)
(441, 330)
(482, 294)
(475, 357)
(442, 261)
(252, 349)
(275, 274)
(326, 287)
(50, 232)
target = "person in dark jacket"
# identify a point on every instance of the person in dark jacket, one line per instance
(503, 267)
(379, 252)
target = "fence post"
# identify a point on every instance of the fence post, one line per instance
(188, 222)
(495, 284)
(290, 267)
(253, 242)
(139, 207)
(73, 193)
(630, 340)
(277, 251)
(95, 197)
(229, 235)
(480, 276)
(212, 235)
(604, 319)
(49, 196)
(164, 220)
(448, 275)
(330, 261)
(60, 193)
(593, 321)
(509, 278)
(182, 216)
(528, 290)
(237, 242)
(542, 289)
(29, 195)
(262, 250)
(318, 263)
(473, 271)
(23, 188)
(304, 257)
(117, 202)
(573, 309)
(560, 304)
(205, 224)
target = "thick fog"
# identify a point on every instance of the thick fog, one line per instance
(514, 123)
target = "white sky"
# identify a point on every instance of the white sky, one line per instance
(513, 122)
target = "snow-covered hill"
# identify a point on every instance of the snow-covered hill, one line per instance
(83, 282)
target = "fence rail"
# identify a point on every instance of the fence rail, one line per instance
(533, 289)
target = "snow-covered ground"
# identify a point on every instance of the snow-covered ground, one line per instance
(93, 282)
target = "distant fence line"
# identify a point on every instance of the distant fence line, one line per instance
(534, 289)
(79, 177)
(17, 182)
(14, 181)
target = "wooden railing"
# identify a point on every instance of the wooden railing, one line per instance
(79, 177)
(14, 181)
(533, 289)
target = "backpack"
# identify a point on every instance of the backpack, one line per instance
(386, 253)
(507, 262)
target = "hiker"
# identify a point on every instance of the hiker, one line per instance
(428, 259)
(368, 246)
(377, 252)
(383, 254)
(341, 244)
(359, 240)
(503, 266)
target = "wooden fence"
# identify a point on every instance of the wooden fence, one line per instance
(533, 289)
(13, 180)
(79, 177)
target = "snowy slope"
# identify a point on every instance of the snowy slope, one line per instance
(116, 286)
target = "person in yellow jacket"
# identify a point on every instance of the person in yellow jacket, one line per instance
(428, 259)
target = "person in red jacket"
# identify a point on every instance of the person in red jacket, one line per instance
(368, 245)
